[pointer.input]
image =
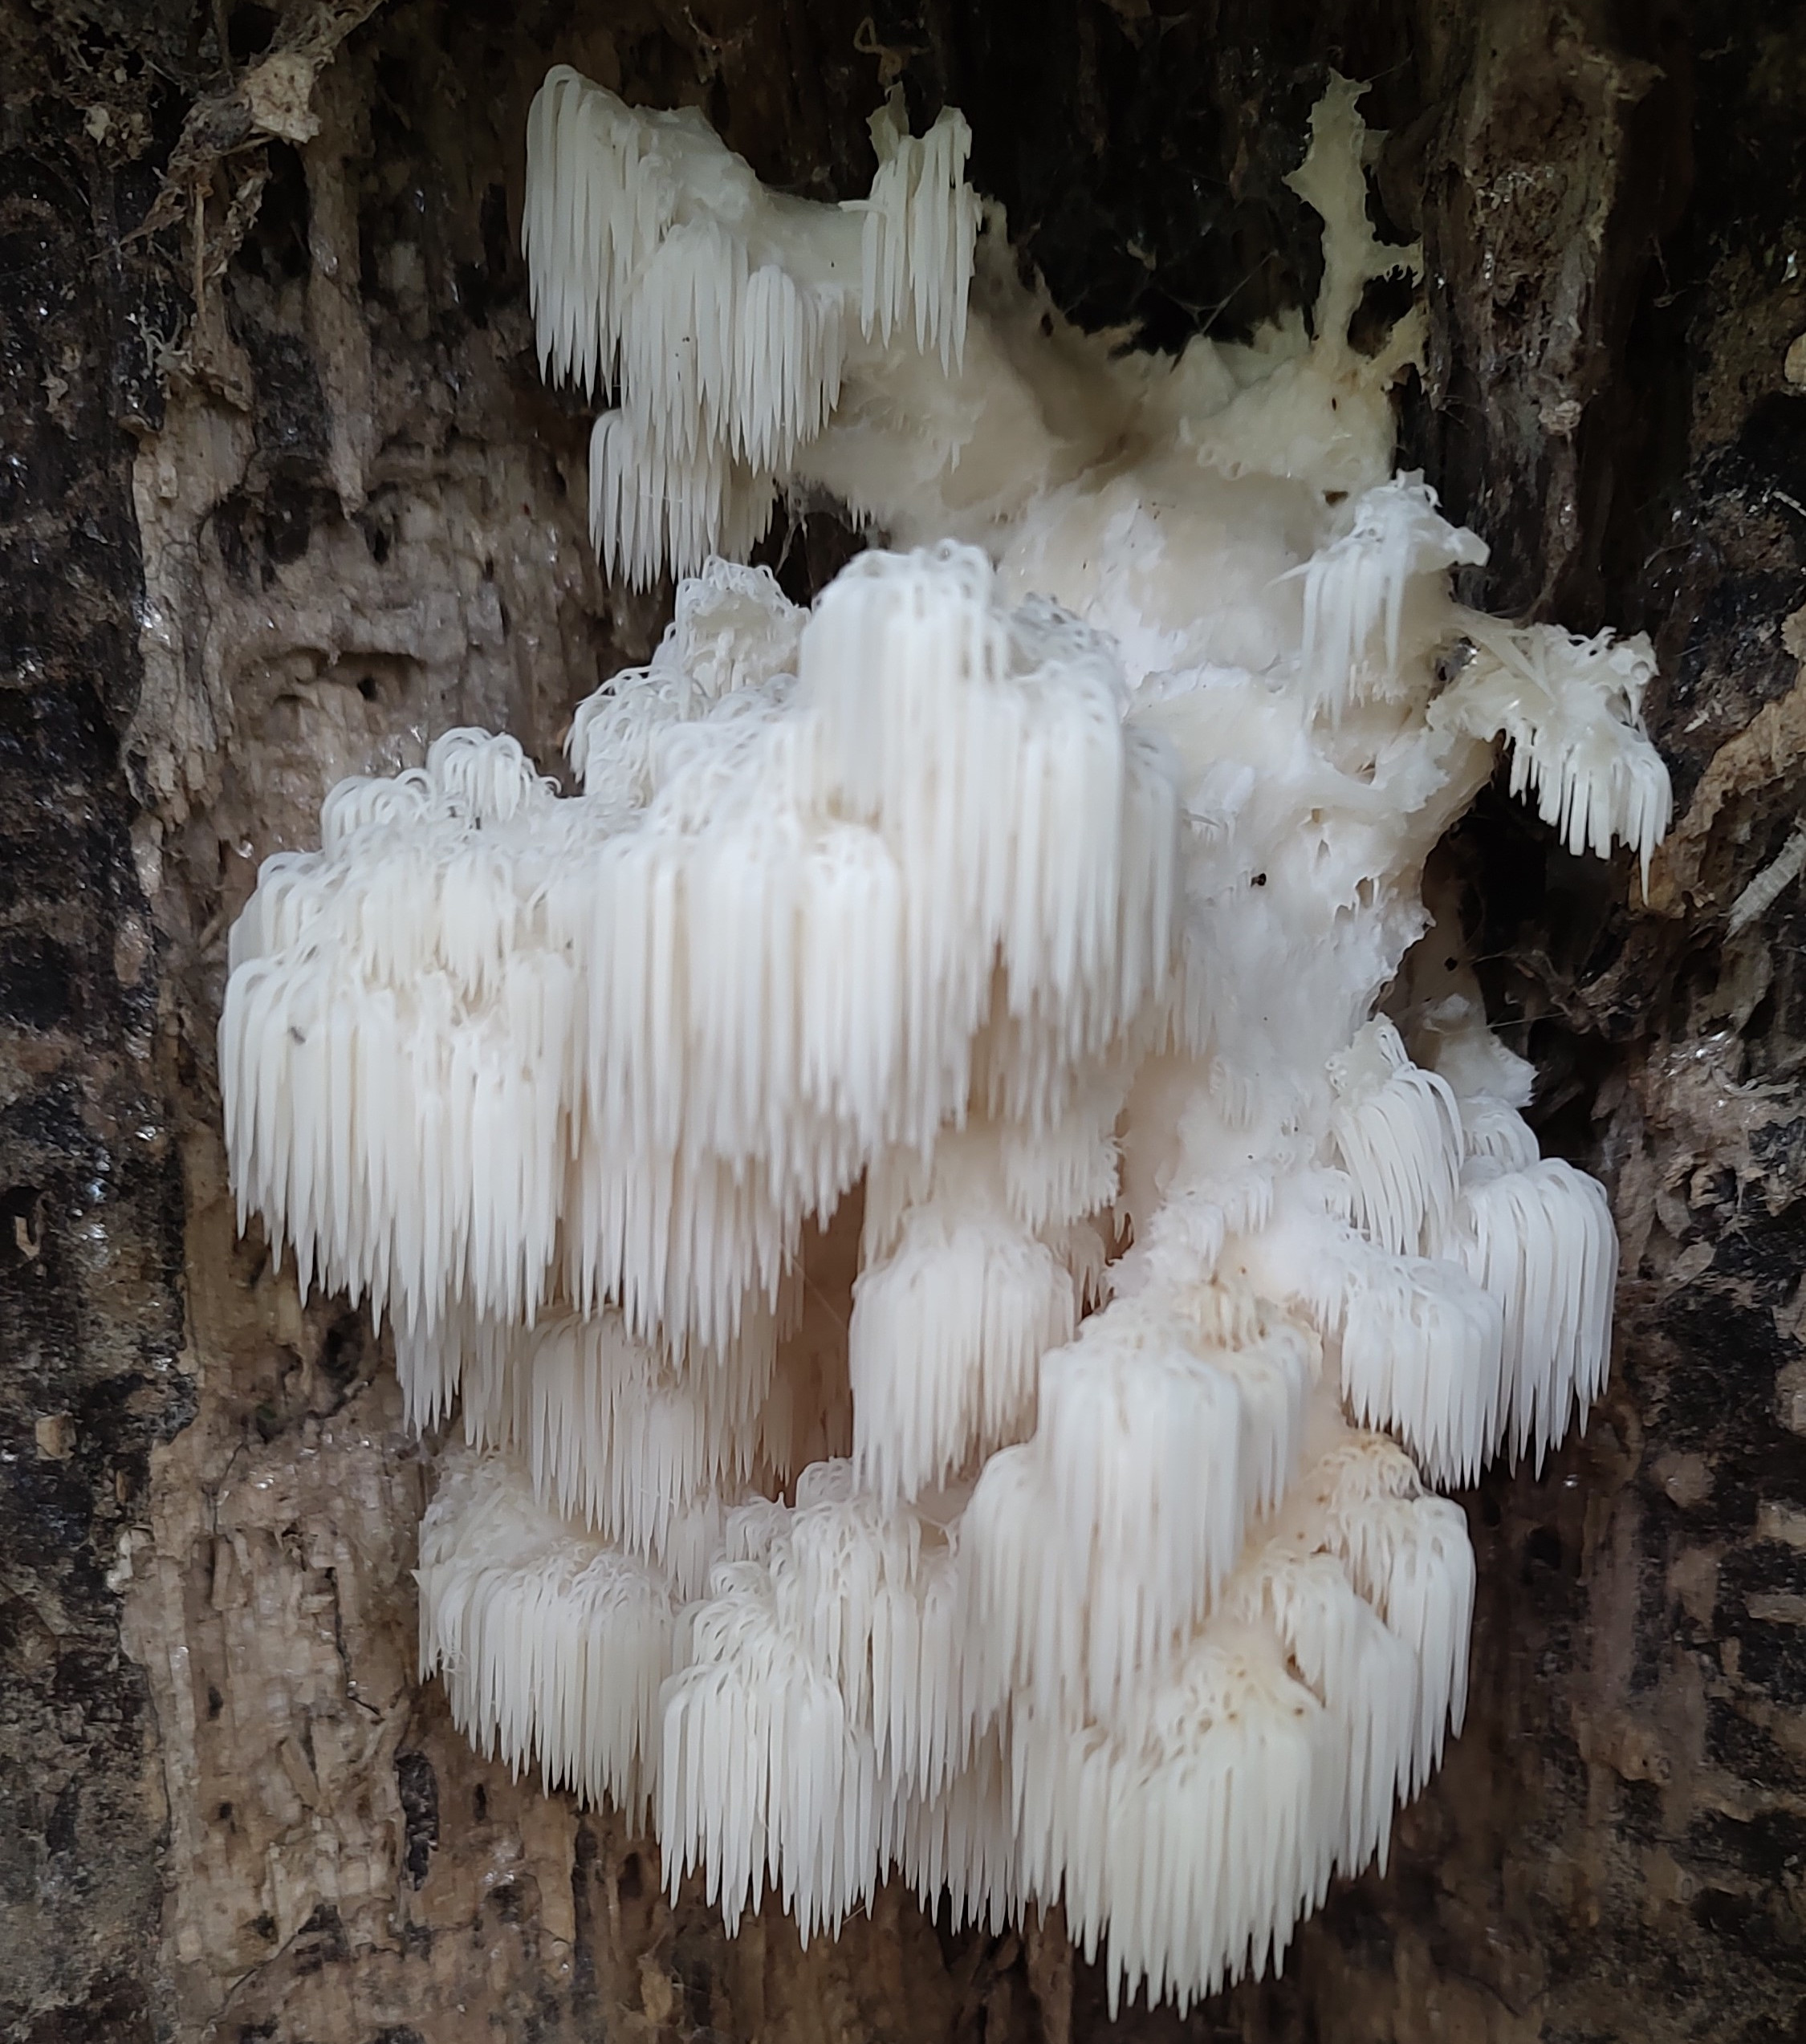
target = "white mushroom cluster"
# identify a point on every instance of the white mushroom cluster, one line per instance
(966, 1207)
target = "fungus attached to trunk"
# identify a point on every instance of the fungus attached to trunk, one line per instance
(961, 1249)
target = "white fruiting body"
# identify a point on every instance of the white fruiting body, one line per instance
(957, 1289)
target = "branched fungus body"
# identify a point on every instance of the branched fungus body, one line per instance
(965, 1216)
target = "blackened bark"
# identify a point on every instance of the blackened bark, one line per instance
(91, 1203)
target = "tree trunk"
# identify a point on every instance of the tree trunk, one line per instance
(281, 493)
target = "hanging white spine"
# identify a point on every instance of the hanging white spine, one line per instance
(1571, 710)
(552, 1645)
(659, 269)
(1541, 1242)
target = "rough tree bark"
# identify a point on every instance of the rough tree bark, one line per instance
(280, 493)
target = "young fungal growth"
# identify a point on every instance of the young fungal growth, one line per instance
(964, 1215)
